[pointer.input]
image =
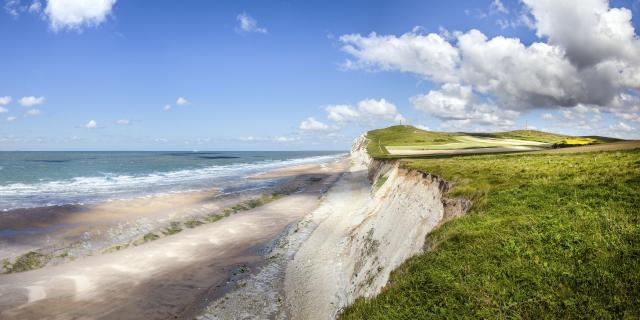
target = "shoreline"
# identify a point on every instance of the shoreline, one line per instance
(74, 231)
(89, 189)
(146, 280)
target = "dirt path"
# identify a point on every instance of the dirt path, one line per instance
(172, 277)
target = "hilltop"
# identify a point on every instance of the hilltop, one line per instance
(407, 141)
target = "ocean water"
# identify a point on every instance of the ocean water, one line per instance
(35, 179)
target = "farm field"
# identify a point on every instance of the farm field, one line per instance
(399, 141)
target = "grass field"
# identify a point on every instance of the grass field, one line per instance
(553, 234)
(401, 141)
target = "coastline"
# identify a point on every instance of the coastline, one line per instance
(204, 260)
(67, 232)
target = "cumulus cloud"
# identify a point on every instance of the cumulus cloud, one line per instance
(5, 100)
(314, 125)
(379, 109)
(33, 112)
(366, 112)
(3, 110)
(76, 14)
(31, 101)
(547, 116)
(429, 55)
(91, 124)
(123, 122)
(342, 113)
(167, 107)
(621, 126)
(481, 78)
(458, 105)
(248, 24)
(182, 101)
(11, 119)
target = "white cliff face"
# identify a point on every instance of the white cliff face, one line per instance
(359, 157)
(362, 233)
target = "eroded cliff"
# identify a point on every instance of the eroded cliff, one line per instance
(376, 217)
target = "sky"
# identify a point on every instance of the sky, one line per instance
(309, 75)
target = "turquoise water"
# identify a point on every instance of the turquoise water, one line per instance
(34, 179)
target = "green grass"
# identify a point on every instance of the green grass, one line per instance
(150, 237)
(173, 228)
(532, 135)
(403, 136)
(28, 261)
(410, 138)
(550, 236)
(380, 182)
(192, 223)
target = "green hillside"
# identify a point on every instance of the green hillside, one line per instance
(403, 135)
(551, 235)
(391, 141)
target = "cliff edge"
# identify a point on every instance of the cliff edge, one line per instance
(373, 219)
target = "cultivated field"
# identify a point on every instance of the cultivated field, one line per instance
(402, 141)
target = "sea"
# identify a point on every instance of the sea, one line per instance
(37, 179)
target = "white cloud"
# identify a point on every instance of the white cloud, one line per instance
(182, 101)
(621, 126)
(76, 14)
(631, 117)
(35, 7)
(123, 122)
(342, 113)
(13, 7)
(3, 110)
(33, 112)
(167, 107)
(5, 100)
(498, 6)
(381, 109)
(422, 127)
(248, 24)
(605, 33)
(368, 112)
(31, 101)
(547, 116)
(285, 139)
(11, 119)
(91, 125)
(459, 105)
(598, 66)
(430, 55)
(314, 125)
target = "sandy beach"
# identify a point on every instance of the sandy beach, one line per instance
(172, 277)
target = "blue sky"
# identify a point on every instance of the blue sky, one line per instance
(107, 73)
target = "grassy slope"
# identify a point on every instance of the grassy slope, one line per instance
(404, 136)
(550, 235)
(407, 136)
(532, 135)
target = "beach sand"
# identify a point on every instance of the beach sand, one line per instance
(172, 277)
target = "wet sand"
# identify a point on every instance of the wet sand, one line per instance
(35, 228)
(172, 277)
